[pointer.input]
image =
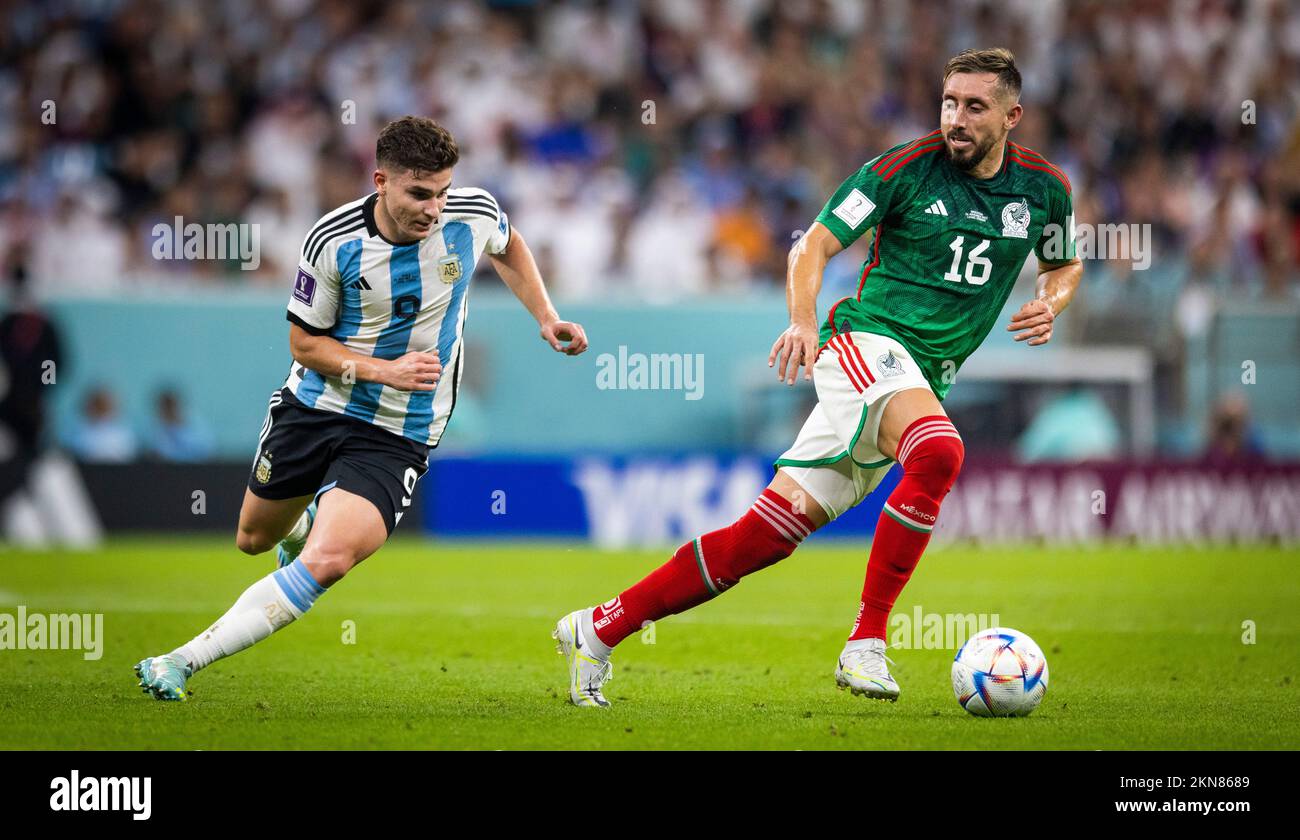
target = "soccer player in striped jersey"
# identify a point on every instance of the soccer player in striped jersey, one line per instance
(377, 316)
(956, 213)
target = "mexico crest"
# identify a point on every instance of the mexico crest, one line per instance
(263, 471)
(449, 269)
(1015, 219)
(889, 364)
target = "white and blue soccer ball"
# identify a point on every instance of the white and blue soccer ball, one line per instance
(999, 672)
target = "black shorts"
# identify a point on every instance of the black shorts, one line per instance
(306, 451)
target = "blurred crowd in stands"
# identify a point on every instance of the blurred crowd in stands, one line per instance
(664, 149)
(658, 149)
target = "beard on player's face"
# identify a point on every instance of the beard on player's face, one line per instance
(968, 157)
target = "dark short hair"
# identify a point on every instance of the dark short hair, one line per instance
(997, 60)
(417, 144)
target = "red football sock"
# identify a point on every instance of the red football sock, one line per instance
(703, 568)
(931, 453)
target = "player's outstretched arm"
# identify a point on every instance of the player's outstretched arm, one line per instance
(327, 356)
(798, 344)
(519, 271)
(1056, 285)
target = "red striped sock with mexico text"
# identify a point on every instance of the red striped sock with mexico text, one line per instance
(931, 453)
(706, 567)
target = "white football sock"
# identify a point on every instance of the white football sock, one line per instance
(300, 529)
(269, 604)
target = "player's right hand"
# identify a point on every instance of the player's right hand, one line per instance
(414, 372)
(796, 346)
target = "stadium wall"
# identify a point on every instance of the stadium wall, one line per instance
(227, 352)
(664, 501)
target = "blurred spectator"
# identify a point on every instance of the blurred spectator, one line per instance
(79, 245)
(663, 148)
(176, 437)
(100, 435)
(1076, 426)
(1181, 115)
(1231, 437)
(744, 243)
(669, 248)
(30, 355)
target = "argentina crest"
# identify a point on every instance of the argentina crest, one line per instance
(263, 472)
(449, 268)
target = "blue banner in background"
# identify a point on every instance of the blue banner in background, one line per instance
(614, 502)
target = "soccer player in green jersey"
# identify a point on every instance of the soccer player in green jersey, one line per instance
(955, 215)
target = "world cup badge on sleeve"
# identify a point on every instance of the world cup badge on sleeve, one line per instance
(449, 269)
(304, 287)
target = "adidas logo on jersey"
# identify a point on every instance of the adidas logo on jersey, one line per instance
(359, 284)
(937, 209)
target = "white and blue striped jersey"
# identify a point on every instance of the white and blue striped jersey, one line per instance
(383, 300)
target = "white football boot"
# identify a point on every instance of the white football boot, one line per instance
(587, 673)
(863, 670)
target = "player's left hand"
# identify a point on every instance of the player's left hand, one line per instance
(1033, 322)
(556, 333)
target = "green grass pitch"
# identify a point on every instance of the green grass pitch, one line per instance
(452, 650)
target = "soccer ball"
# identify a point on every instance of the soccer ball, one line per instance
(999, 672)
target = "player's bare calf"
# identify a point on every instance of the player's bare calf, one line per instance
(265, 522)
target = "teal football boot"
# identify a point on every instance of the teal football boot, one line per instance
(164, 677)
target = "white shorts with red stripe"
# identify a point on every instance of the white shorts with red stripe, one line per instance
(835, 457)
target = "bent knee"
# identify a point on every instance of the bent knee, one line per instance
(328, 563)
(946, 454)
(936, 460)
(253, 541)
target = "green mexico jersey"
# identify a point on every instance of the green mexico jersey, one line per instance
(947, 247)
